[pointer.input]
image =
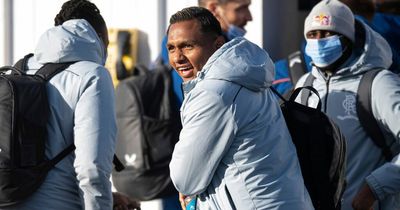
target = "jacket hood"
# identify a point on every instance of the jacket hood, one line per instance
(74, 40)
(375, 52)
(242, 62)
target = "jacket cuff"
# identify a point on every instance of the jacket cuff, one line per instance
(375, 187)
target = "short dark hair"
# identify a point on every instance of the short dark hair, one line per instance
(202, 3)
(81, 9)
(208, 23)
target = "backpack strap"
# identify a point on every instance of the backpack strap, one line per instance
(48, 70)
(21, 63)
(283, 98)
(305, 94)
(365, 115)
(51, 163)
(310, 89)
(297, 66)
(118, 165)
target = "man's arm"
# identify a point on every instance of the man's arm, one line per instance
(385, 180)
(208, 131)
(94, 133)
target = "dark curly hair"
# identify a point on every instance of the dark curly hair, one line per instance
(208, 23)
(81, 9)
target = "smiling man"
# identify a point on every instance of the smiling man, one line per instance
(234, 151)
(189, 50)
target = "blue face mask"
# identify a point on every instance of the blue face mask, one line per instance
(235, 31)
(324, 52)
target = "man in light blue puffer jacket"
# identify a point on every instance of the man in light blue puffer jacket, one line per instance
(234, 151)
(343, 49)
(81, 100)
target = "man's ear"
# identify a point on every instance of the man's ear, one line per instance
(219, 41)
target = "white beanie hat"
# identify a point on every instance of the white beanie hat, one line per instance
(331, 15)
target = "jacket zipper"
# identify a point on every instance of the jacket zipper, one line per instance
(327, 81)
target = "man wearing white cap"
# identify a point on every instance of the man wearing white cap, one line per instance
(342, 49)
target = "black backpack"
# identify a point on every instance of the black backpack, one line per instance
(24, 113)
(364, 110)
(321, 150)
(148, 127)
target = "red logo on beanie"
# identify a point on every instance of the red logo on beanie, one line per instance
(322, 20)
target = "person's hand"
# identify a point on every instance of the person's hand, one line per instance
(124, 202)
(182, 201)
(364, 199)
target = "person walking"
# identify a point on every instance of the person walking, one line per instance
(234, 132)
(81, 100)
(342, 49)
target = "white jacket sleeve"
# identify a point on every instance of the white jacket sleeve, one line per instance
(208, 131)
(385, 96)
(94, 137)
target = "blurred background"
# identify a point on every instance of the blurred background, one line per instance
(276, 26)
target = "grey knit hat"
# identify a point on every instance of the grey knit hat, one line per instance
(331, 15)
